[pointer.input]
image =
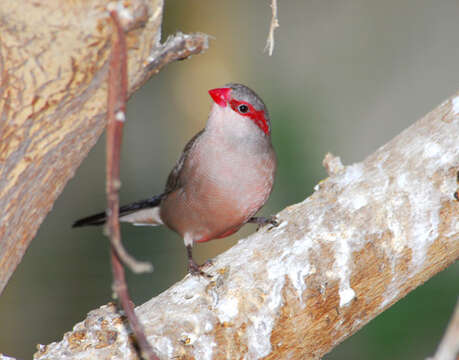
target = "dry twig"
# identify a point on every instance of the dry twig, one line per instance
(116, 114)
(272, 27)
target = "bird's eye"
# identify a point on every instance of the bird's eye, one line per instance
(243, 108)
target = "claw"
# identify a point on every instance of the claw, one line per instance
(195, 269)
(273, 221)
(261, 221)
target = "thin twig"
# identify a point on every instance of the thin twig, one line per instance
(116, 110)
(117, 96)
(177, 47)
(274, 24)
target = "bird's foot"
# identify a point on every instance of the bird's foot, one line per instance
(196, 269)
(262, 220)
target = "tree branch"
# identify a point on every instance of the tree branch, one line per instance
(371, 233)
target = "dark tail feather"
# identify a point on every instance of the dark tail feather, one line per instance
(101, 218)
(97, 219)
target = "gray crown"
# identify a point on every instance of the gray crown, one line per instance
(242, 92)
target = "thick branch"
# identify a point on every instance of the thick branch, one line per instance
(53, 71)
(370, 233)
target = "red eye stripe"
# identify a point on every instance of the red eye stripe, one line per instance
(257, 116)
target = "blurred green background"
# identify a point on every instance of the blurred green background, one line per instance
(345, 77)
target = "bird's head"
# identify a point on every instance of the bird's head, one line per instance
(244, 102)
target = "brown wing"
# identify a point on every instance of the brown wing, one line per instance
(174, 180)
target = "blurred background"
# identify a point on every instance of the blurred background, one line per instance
(345, 77)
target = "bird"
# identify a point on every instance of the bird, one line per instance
(223, 177)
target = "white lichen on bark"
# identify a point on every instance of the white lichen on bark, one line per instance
(456, 105)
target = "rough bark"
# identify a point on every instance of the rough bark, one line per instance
(53, 69)
(369, 234)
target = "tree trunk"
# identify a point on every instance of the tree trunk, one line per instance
(53, 69)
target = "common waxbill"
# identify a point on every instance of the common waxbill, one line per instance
(223, 177)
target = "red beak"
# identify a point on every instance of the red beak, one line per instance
(221, 96)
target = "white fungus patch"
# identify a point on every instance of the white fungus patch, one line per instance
(346, 295)
(203, 347)
(423, 220)
(446, 158)
(262, 322)
(293, 263)
(265, 294)
(359, 201)
(227, 308)
(352, 174)
(455, 103)
(164, 345)
(208, 327)
(342, 263)
(399, 237)
(403, 181)
(432, 149)
(341, 270)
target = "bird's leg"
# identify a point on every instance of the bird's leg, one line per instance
(193, 267)
(262, 220)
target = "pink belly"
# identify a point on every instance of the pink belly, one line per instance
(222, 191)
